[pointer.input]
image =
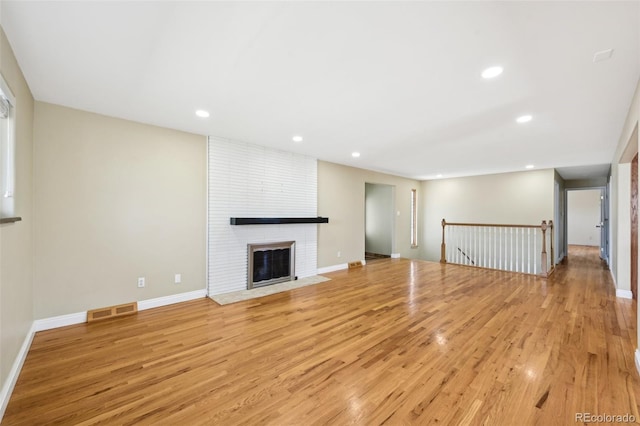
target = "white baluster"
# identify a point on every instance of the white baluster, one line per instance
(511, 249)
(529, 250)
(499, 248)
(484, 243)
(535, 250)
(522, 251)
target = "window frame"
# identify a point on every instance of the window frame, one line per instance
(7, 156)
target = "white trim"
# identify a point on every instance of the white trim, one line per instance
(207, 225)
(170, 300)
(333, 268)
(81, 317)
(395, 255)
(60, 321)
(624, 294)
(12, 377)
(637, 357)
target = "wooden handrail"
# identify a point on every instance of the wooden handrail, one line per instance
(494, 225)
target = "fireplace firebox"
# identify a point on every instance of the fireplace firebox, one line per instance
(270, 263)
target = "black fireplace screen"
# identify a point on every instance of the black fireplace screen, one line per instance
(271, 264)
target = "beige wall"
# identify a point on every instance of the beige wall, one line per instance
(524, 198)
(621, 226)
(620, 217)
(341, 199)
(115, 200)
(16, 250)
(620, 196)
(620, 199)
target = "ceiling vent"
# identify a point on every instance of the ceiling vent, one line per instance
(603, 55)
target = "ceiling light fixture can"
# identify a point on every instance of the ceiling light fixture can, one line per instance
(529, 166)
(297, 138)
(202, 113)
(524, 119)
(492, 72)
(355, 154)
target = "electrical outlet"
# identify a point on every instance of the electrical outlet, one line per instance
(178, 278)
(141, 282)
(339, 254)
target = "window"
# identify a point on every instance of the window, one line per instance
(414, 218)
(7, 150)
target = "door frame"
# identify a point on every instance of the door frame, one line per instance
(604, 245)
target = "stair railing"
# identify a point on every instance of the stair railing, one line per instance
(515, 248)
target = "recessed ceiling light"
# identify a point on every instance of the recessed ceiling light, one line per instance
(202, 113)
(524, 119)
(439, 175)
(297, 138)
(355, 154)
(492, 72)
(529, 166)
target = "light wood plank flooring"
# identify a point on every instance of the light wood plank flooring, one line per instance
(396, 342)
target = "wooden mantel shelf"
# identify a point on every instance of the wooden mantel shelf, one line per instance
(10, 220)
(276, 220)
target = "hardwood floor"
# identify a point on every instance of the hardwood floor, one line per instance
(395, 342)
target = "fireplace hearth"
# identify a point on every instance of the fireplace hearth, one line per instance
(270, 263)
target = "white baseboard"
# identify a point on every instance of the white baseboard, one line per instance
(637, 357)
(170, 300)
(12, 377)
(81, 317)
(624, 294)
(333, 268)
(60, 321)
(395, 255)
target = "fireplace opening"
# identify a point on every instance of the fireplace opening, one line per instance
(270, 263)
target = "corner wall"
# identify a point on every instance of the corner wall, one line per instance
(341, 198)
(16, 248)
(620, 202)
(116, 200)
(621, 196)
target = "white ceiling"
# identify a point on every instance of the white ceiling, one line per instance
(397, 81)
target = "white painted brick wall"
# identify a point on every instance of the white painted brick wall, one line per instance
(252, 181)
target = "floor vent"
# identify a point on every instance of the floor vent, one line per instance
(356, 264)
(112, 311)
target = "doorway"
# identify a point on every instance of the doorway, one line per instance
(379, 220)
(586, 218)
